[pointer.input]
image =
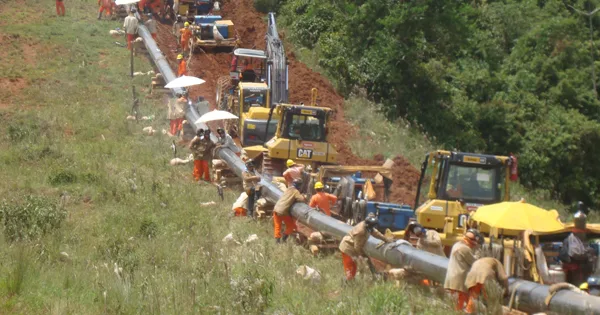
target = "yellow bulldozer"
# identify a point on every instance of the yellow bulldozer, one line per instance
(301, 135)
(453, 184)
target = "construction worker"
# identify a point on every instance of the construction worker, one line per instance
(142, 6)
(130, 25)
(176, 113)
(182, 69)
(60, 8)
(239, 206)
(105, 5)
(281, 212)
(176, 7)
(576, 255)
(462, 258)
(177, 26)
(428, 240)
(186, 34)
(293, 172)
(353, 243)
(151, 25)
(201, 147)
(248, 74)
(226, 141)
(322, 200)
(484, 270)
(251, 187)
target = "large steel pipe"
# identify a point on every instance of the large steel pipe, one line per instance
(530, 296)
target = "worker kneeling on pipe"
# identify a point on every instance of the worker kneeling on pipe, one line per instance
(281, 212)
(484, 270)
(353, 243)
(462, 258)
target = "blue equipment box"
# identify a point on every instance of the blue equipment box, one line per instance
(206, 19)
(391, 216)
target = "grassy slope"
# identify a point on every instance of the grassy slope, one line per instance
(52, 141)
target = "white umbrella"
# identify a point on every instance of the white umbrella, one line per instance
(184, 81)
(216, 115)
(123, 2)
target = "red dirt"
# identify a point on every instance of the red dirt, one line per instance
(251, 27)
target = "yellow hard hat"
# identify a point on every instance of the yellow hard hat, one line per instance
(186, 24)
(289, 163)
(180, 56)
(319, 185)
(584, 286)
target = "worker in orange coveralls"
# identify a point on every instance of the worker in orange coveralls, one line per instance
(186, 34)
(484, 270)
(322, 200)
(353, 243)
(462, 258)
(201, 147)
(105, 5)
(182, 69)
(60, 8)
(281, 212)
(131, 27)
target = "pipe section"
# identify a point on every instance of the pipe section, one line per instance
(530, 296)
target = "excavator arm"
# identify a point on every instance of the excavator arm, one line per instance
(277, 67)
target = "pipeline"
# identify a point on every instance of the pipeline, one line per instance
(530, 296)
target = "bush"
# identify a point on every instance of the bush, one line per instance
(148, 228)
(266, 6)
(62, 177)
(30, 218)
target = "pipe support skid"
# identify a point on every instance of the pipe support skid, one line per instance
(529, 296)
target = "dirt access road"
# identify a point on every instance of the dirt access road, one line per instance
(251, 27)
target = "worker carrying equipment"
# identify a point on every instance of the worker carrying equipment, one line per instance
(322, 200)
(462, 258)
(484, 270)
(251, 187)
(353, 243)
(281, 212)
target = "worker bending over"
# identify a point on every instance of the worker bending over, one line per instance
(428, 240)
(130, 25)
(182, 69)
(151, 25)
(293, 172)
(186, 34)
(251, 187)
(462, 258)
(281, 212)
(484, 270)
(225, 141)
(201, 147)
(353, 243)
(322, 200)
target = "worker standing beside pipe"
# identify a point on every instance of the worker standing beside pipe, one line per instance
(281, 212)
(294, 172)
(322, 200)
(250, 183)
(186, 34)
(462, 258)
(484, 270)
(182, 69)
(353, 243)
(130, 25)
(151, 25)
(176, 113)
(177, 26)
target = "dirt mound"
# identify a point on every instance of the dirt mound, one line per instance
(251, 27)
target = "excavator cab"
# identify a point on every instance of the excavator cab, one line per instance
(248, 65)
(453, 184)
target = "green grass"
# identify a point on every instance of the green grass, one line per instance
(135, 239)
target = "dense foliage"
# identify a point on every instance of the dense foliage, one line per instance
(482, 76)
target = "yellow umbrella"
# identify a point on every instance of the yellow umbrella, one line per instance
(518, 216)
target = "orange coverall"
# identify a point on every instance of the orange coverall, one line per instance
(186, 34)
(60, 7)
(290, 224)
(182, 70)
(105, 5)
(474, 293)
(349, 266)
(323, 200)
(201, 168)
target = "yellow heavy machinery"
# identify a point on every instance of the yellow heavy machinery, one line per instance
(453, 184)
(301, 135)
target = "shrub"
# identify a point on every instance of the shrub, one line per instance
(30, 218)
(148, 228)
(62, 177)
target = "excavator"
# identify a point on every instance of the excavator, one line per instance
(453, 184)
(257, 81)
